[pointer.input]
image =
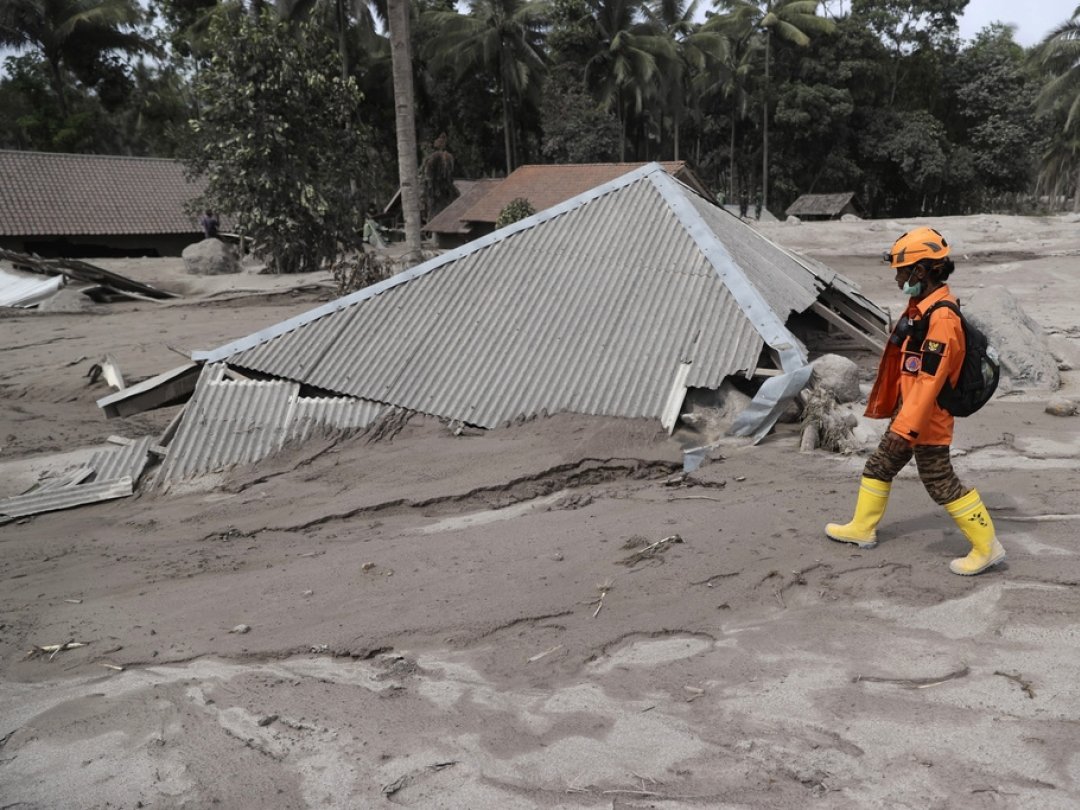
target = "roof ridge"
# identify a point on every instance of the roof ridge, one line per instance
(32, 152)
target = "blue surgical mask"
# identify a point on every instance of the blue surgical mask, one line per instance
(912, 290)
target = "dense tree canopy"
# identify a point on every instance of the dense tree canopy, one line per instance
(280, 140)
(767, 98)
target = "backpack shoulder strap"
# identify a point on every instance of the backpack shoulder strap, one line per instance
(948, 305)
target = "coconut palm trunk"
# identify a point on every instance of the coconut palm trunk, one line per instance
(404, 110)
(765, 130)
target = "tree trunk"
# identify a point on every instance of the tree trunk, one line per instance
(765, 131)
(507, 123)
(404, 109)
(58, 85)
(622, 132)
(342, 26)
(731, 150)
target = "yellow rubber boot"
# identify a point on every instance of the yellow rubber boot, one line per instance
(869, 509)
(974, 521)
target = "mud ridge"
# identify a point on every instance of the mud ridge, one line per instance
(608, 646)
(586, 472)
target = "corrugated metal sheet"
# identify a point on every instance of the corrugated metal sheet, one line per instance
(56, 499)
(330, 414)
(592, 313)
(786, 285)
(67, 479)
(26, 289)
(229, 422)
(125, 461)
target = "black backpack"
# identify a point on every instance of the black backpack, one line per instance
(979, 373)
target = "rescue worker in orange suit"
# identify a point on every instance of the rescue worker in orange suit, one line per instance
(909, 379)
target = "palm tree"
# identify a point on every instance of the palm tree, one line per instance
(401, 56)
(503, 37)
(1059, 55)
(72, 35)
(674, 19)
(791, 20)
(624, 70)
(730, 68)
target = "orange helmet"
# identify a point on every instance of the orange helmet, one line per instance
(916, 245)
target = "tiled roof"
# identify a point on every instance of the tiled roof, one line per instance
(43, 193)
(449, 220)
(547, 185)
(820, 204)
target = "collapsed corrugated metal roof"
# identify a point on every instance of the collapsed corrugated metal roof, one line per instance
(111, 473)
(605, 304)
(229, 422)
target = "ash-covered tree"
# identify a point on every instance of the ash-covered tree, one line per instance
(279, 138)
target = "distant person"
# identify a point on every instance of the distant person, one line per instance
(913, 371)
(209, 223)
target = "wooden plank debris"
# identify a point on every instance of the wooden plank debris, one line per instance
(847, 327)
(85, 272)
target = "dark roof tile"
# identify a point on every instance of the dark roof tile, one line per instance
(45, 193)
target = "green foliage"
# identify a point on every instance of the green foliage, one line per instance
(515, 210)
(76, 38)
(576, 128)
(279, 139)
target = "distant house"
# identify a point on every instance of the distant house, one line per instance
(823, 206)
(543, 186)
(448, 226)
(55, 204)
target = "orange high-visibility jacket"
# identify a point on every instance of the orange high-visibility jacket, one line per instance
(911, 377)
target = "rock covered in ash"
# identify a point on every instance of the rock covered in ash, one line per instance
(1021, 343)
(837, 375)
(210, 257)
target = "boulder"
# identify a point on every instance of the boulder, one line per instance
(793, 220)
(850, 218)
(837, 375)
(1059, 406)
(1026, 358)
(210, 257)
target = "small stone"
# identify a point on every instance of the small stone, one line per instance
(241, 629)
(1059, 406)
(557, 556)
(367, 566)
(265, 721)
(308, 593)
(740, 477)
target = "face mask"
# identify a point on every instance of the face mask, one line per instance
(912, 290)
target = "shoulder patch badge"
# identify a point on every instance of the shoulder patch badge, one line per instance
(912, 363)
(931, 356)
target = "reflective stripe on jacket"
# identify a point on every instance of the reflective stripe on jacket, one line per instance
(911, 376)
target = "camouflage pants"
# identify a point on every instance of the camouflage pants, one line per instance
(935, 469)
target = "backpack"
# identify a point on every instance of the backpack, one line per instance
(979, 373)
